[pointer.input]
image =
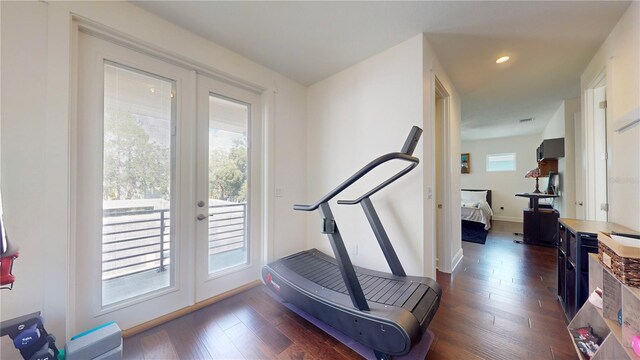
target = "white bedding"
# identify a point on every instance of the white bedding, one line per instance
(478, 211)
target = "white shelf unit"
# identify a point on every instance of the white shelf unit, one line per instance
(617, 342)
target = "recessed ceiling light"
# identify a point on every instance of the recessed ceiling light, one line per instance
(502, 60)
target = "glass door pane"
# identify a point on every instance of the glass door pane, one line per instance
(139, 112)
(228, 183)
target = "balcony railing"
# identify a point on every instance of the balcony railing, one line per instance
(135, 240)
(227, 227)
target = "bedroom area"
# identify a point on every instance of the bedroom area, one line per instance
(501, 168)
(475, 213)
(495, 174)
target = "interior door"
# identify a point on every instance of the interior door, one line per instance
(133, 215)
(439, 172)
(580, 172)
(600, 205)
(228, 245)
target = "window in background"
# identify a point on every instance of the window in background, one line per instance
(501, 162)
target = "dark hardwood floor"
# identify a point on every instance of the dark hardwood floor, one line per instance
(498, 304)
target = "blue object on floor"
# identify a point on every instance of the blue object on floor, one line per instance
(103, 342)
(474, 232)
(27, 337)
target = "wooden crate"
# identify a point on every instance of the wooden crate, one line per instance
(622, 260)
(617, 339)
(589, 315)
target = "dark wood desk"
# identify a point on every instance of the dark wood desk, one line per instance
(539, 225)
(534, 199)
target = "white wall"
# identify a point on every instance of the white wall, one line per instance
(452, 249)
(555, 126)
(569, 185)
(363, 112)
(619, 56)
(556, 129)
(354, 116)
(503, 185)
(36, 68)
(24, 157)
(561, 126)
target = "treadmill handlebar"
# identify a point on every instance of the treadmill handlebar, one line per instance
(406, 154)
(362, 172)
(412, 140)
(379, 187)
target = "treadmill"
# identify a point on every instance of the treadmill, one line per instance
(386, 312)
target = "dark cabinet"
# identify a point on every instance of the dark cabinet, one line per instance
(550, 149)
(540, 227)
(540, 224)
(574, 247)
(570, 307)
(561, 276)
(572, 243)
(589, 244)
(576, 240)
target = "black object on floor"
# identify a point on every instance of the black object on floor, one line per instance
(419, 351)
(474, 232)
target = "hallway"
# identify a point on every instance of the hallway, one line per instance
(500, 303)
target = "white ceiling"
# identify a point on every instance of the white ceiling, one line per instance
(550, 44)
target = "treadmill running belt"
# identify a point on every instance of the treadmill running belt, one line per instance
(376, 289)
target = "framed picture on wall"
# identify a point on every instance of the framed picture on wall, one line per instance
(465, 163)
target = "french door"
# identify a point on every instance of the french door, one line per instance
(167, 186)
(228, 192)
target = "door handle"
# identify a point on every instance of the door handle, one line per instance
(201, 217)
(200, 203)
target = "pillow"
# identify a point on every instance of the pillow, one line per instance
(474, 195)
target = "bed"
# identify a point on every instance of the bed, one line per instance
(476, 207)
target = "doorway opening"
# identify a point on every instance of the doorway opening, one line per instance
(442, 169)
(595, 146)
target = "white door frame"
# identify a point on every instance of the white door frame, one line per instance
(80, 24)
(590, 153)
(445, 244)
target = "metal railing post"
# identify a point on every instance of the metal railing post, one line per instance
(162, 227)
(244, 220)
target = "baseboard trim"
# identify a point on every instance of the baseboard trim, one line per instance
(186, 310)
(456, 260)
(507, 218)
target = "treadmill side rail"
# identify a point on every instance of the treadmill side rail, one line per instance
(344, 262)
(382, 237)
